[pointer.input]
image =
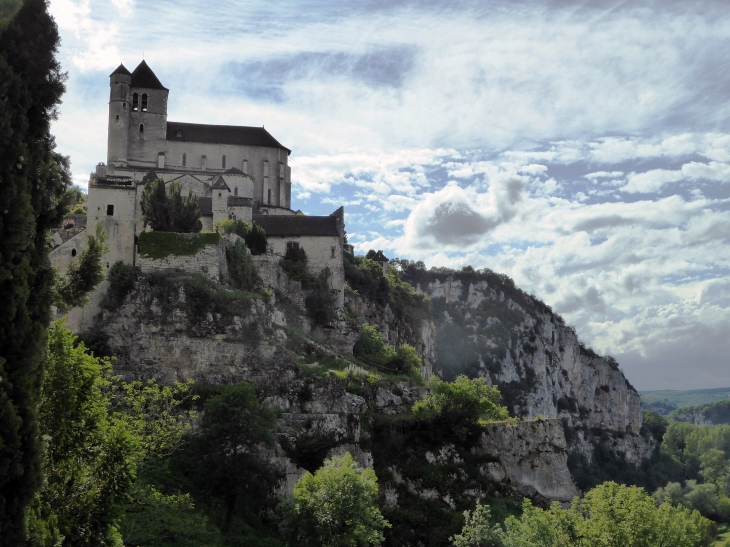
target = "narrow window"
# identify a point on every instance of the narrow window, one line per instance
(110, 210)
(223, 161)
(266, 168)
(141, 128)
(185, 159)
(117, 117)
(268, 201)
(332, 249)
(235, 191)
(203, 161)
(219, 194)
(124, 105)
(245, 166)
(73, 252)
(135, 101)
(144, 102)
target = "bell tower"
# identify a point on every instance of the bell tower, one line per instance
(120, 82)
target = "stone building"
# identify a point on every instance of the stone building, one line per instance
(237, 172)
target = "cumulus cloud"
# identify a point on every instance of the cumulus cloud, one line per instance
(651, 181)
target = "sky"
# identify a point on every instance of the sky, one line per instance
(582, 147)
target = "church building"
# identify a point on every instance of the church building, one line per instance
(237, 172)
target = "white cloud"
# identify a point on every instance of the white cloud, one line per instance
(603, 175)
(651, 181)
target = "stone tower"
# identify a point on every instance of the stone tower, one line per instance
(118, 129)
(137, 118)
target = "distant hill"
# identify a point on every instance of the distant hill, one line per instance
(710, 414)
(666, 400)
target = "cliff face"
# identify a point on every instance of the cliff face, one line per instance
(489, 328)
(176, 327)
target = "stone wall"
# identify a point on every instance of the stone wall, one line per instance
(209, 261)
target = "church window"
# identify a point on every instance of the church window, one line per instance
(235, 191)
(268, 200)
(245, 166)
(185, 158)
(117, 117)
(144, 102)
(73, 252)
(124, 105)
(141, 128)
(135, 101)
(110, 210)
(179, 134)
(220, 194)
(332, 251)
(223, 162)
(266, 168)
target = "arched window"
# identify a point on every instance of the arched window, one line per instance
(144, 102)
(223, 161)
(179, 134)
(185, 159)
(135, 101)
(141, 128)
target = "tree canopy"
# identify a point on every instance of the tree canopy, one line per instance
(166, 210)
(336, 507)
(33, 199)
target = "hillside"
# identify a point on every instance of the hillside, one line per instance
(665, 401)
(573, 411)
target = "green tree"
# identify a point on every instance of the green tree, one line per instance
(122, 278)
(89, 458)
(609, 515)
(166, 210)
(241, 269)
(460, 406)
(84, 274)
(713, 466)
(336, 507)
(33, 183)
(478, 530)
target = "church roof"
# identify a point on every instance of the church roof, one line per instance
(239, 201)
(220, 184)
(144, 77)
(234, 171)
(284, 225)
(222, 134)
(121, 69)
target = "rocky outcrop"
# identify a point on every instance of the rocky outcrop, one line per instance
(490, 328)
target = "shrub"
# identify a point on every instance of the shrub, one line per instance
(166, 210)
(460, 406)
(256, 240)
(122, 278)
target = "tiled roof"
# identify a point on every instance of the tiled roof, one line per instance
(220, 184)
(121, 69)
(206, 206)
(239, 201)
(284, 225)
(144, 77)
(222, 134)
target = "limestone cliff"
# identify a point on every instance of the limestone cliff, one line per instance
(176, 326)
(485, 326)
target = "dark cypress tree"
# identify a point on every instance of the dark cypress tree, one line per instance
(33, 181)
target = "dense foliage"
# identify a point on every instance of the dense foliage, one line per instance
(241, 269)
(34, 180)
(166, 210)
(371, 349)
(83, 275)
(460, 405)
(711, 413)
(336, 507)
(607, 516)
(164, 244)
(98, 432)
(122, 278)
